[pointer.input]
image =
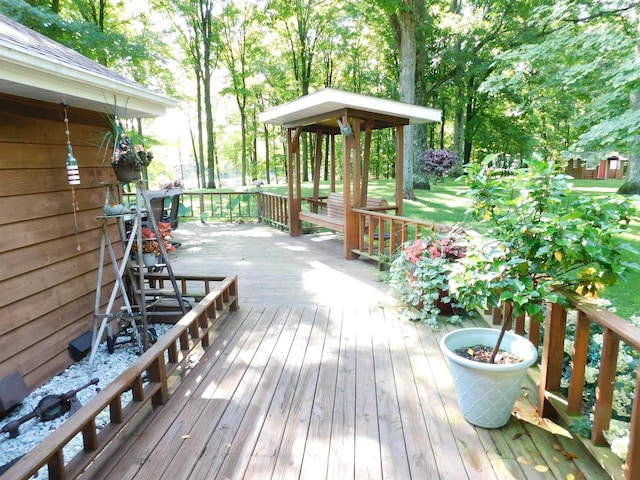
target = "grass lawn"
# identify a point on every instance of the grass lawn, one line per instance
(446, 203)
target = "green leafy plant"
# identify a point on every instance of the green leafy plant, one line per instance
(541, 241)
(420, 270)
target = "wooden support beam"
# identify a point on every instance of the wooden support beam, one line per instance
(604, 390)
(357, 165)
(332, 166)
(399, 168)
(368, 129)
(552, 356)
(316, 166)
(293, 180)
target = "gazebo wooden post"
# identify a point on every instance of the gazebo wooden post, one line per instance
(399, 168)
(316, 165)
(347, 147)
(293, 173)
(356, 201)
(367, 161)
(332, 166)
(351, 189)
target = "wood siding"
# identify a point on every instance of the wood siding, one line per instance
(47, 286)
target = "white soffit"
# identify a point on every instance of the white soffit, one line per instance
(35, 67)
(331, 100)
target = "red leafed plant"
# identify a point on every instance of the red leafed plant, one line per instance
(150, 242)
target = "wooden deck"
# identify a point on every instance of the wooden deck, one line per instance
(317, 377)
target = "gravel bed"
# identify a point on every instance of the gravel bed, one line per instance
(106, 368)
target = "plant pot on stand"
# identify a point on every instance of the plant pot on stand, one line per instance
(487, 392)
(149, 259)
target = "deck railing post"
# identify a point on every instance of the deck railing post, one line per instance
(552, 356)
(632, 465)
(604, 390)
(578, 364)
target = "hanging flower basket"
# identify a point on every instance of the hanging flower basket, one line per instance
(127, 172)
(128, 161)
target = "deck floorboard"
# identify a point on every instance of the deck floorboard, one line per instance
(316, 376)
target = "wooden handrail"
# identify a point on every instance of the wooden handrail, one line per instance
(156, 364)
(552, 402)
(380, 234)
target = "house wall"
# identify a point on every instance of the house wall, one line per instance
(47, 285)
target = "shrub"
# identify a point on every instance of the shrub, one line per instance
(437, 163)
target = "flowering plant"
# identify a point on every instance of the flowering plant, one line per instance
(150, 242)
(420, 271)
(124, 153)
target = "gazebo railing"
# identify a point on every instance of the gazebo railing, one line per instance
(273, 209)
(381, 234)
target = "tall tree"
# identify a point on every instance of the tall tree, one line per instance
(303, 24)
(196, 22)
(405, 16)
(632, 185)
(578, 101)
(240, 40)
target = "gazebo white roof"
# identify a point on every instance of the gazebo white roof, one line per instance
(35, 67)
(330, 100)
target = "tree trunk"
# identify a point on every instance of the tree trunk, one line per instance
(407, 91)
(458, 132)
(267, 154)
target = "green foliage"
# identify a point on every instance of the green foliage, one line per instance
(541, 239)
(567, 96)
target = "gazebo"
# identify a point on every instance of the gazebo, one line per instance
(335, 112)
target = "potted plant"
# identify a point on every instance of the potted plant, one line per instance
(128, 161)
(542, 241)
(419, 273)
(151, 249)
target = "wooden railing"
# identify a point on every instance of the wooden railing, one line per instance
(394, 231)
(222, 206)
(155, 365)
(218, 206)
(229, 206)
(273, 209)
(381, 234)
(552, 403)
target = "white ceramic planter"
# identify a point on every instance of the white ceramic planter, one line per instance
(487, 392)
(149, 259)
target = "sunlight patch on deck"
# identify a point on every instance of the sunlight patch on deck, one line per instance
(341, 288)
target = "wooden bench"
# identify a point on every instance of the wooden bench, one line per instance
(332, 211)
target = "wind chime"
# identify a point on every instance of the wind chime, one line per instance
(73, 175)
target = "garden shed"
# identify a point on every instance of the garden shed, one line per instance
(51, 240)
(330, 112)
(611, 166)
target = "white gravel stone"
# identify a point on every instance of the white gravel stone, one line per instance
(106, 367)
